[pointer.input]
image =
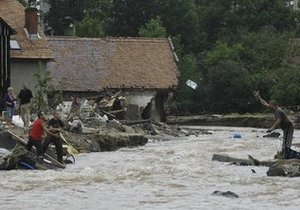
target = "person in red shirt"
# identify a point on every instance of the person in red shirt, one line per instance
(36, 134)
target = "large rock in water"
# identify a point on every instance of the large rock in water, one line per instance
(277, 167)
(113, 141)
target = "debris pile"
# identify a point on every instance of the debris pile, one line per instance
(102, 124)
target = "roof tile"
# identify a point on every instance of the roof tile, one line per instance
(83, 64)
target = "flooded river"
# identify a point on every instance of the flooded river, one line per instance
(175, 174)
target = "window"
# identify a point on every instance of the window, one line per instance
(14, 45)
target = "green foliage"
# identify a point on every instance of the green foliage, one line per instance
(222, 52)
(187, 98)
(43, 79)
(130, 15)
(54, 98)
(27, 3)
(265, 49)
(153, 29)
(265, 52)
(229, 87)
(23, 2)
(176, 40)
(62, 13)
(181, 18)
(286, 89)
(89, 27)
(256, 14)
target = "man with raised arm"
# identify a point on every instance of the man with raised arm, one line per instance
(282, 121)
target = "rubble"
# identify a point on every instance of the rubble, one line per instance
(102, 124)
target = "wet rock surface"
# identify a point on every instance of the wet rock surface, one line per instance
(227, 194)
(277, 167)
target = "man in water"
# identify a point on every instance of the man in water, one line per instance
(283, 122)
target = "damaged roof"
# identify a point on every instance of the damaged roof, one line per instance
(13, 13)
(92, 64)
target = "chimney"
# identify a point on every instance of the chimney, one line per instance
(31, 22)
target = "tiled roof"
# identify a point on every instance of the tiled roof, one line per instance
(12, 12)
(90, 64)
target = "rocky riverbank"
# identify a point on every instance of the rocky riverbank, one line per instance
(111, 136)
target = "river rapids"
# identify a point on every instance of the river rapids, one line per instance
(172, 174)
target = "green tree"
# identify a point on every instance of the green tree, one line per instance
(256, 14)
(27, 3)
(229, 87)
(42, 89)
(264, 52)
(180, 17)
(190, 100)
(89, 27)
(153, 29)
(222, 51)
(130, 15)
(62, 13)
(286, 88)
(226, 79)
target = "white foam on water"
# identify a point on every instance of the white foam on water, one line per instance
(175, 174)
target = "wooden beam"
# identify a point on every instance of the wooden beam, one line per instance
(22, 141)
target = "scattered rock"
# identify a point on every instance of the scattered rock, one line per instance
(276, 171)
(272, 135)
(227, 194)
(114, 141)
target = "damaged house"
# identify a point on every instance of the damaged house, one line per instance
(24, 48)
(144, 70)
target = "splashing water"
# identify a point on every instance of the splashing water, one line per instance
(175, 174)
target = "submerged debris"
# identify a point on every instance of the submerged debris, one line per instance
(227, 194)
(272, 135)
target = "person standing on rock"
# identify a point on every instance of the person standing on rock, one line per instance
(25, 96)
(55, 126)
(36, 135)
(283, 122)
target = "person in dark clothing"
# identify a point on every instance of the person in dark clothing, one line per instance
(25, 96)
(36, 134)
(55, 125)
(283, 122)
